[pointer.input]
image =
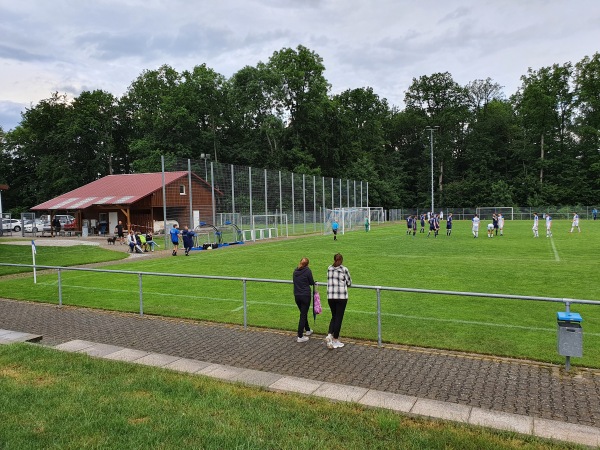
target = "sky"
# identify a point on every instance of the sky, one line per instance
(70, 46)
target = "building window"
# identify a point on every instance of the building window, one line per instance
(182, 189)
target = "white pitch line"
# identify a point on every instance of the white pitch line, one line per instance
(556, 258)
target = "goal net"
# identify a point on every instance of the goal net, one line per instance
(487, 212)
(350, 219)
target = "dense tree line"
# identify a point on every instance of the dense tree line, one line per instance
(539, 146)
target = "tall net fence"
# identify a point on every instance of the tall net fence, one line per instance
(254, 198)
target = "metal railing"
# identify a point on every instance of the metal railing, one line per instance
(245, 280)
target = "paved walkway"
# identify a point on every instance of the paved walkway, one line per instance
(522, 396)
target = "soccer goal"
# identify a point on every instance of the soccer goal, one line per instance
(350, 219)
(487, 212)
(266, 226)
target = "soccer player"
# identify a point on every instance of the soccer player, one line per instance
(475, 226)
(490, 230)
(436, 224)
(548, 225)
(495, 222)
(501, 224)
(536, 221)
(449, 225)
(575, 223)
(431, 224)
(422, 223)
(414, 225)
(334, 229)
(409, 225)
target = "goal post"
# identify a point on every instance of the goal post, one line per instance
(266, 226)
(488, 211)
(350, 219)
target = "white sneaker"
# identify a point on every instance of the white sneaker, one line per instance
(302, 339)
(329, 341)
(308, 333)
(337, 344)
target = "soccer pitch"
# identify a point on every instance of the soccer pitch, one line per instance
(564, 266)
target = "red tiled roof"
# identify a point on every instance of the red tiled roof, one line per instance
(111, 190)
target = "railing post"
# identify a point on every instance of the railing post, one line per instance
(59, 290)
(378, 317)
(245, 305)
(141, 296)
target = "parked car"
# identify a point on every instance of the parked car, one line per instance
(36, 226)
(11, 225)
(67, 221)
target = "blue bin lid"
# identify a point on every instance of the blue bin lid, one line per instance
(568, 316)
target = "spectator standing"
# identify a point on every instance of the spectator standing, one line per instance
(174, 233)
(594, 213)
(303, 280)
(188, 240)
(575, 223)
(338, 280)
(119, 232)
(56, 225)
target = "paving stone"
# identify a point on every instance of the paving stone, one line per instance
(569, 432)
(156, 359)
(256, 377)
(295, 384)
(187, 365)
(340, 392)
(388, 400)
(127, 354)
(220, 371)
(441, 410)
(19, 336)
(501, 420)
(100, 350)
(74, 346)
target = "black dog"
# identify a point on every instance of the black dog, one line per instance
(111, 240)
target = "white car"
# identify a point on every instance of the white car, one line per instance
(36, 227)
(11, 225)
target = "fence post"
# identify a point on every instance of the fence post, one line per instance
(245, 305)
(59, 290)
(141, 297)
(378, 317)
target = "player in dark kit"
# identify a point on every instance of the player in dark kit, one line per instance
(449, 225)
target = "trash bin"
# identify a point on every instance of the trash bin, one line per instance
(570, 334)
(84, 232)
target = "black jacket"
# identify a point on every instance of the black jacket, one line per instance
(303, 280)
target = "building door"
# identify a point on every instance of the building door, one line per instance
(113, 220)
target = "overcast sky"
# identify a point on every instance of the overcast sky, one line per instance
(68, 46)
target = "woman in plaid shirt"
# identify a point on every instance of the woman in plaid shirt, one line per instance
(338, 280)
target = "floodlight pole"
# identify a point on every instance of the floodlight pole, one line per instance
(431, 130)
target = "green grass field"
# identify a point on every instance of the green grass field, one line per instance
(565, 266)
